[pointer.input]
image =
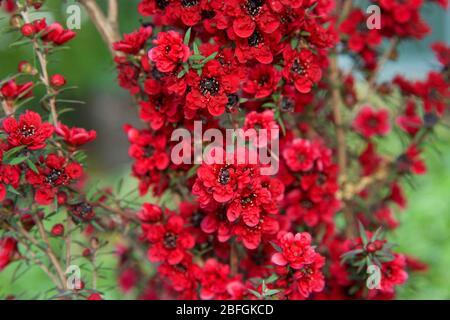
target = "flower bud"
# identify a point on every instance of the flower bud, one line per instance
(28, 30)
(57, 80)
(57, 230)
(26, 67)
(15, 21)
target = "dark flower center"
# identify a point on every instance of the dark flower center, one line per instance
(53, 176)
(322, 179)
(189, 3)
(83, 209)
(430, 119)
(373, 122)
(248, 200)
(170, 240)
(162, 4)
(209, 85)
(297, 67)
(28, 131)
(255, 39)
(253, 7)
(233, 101)
(307, 204)
(264, 79)
(208, 14)
(196, 219)
(158, 75)
(287, 104)
(224, 176)
(148, 151)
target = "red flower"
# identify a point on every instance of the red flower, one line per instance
(150, 213)
(309, 279)
(393, 273)
(300, 155)
(170, 241)
(262, 81)
(442, 52)
(9, 175)
(182, 277)
(264, 120)
(169, 52)
(410, 122)
(57, 34)
(75, 137)
(8, 248)
(214, 280)
(54, 172)
(11, 90)
(302, 69)
(253, 13)
(28, 131)
(296, 250)
(210, 90)
(83, 211)
(369, 122)
(133, 42)
(410, 161)
(252, 237)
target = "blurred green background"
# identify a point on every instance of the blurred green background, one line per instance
(425, 225)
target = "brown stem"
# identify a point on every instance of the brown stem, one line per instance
(51, 255)
(107, 26)
(44, 72)
(384, 59)
(340, 138)
(234, 259)
(42, 266)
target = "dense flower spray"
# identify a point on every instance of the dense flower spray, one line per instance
(222, 229)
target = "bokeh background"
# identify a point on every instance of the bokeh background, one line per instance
(425, 225)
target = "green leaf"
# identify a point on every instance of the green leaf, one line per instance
(12, 190)
(271, 292)
(362, 233)
(272, 278)
(377, 235)
(8, 154)
(187, 36)
(255, 293)
(18, 160)
(294, 43)
(32, 165)
(210, 57)
(192, 171)
(181, 74)
(275, 246)
(196, 57)
(196, 50)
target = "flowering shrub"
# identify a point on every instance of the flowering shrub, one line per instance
(222, 229)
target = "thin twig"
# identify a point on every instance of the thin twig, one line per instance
(49, 251)
(107, 27)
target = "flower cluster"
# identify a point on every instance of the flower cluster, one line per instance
(222, 228)
(271, 65)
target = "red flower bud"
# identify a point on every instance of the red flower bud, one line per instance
(57, 80)
(86, 252)
(58, 230)
(95, 296)
(28, 30)
(61, 197)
